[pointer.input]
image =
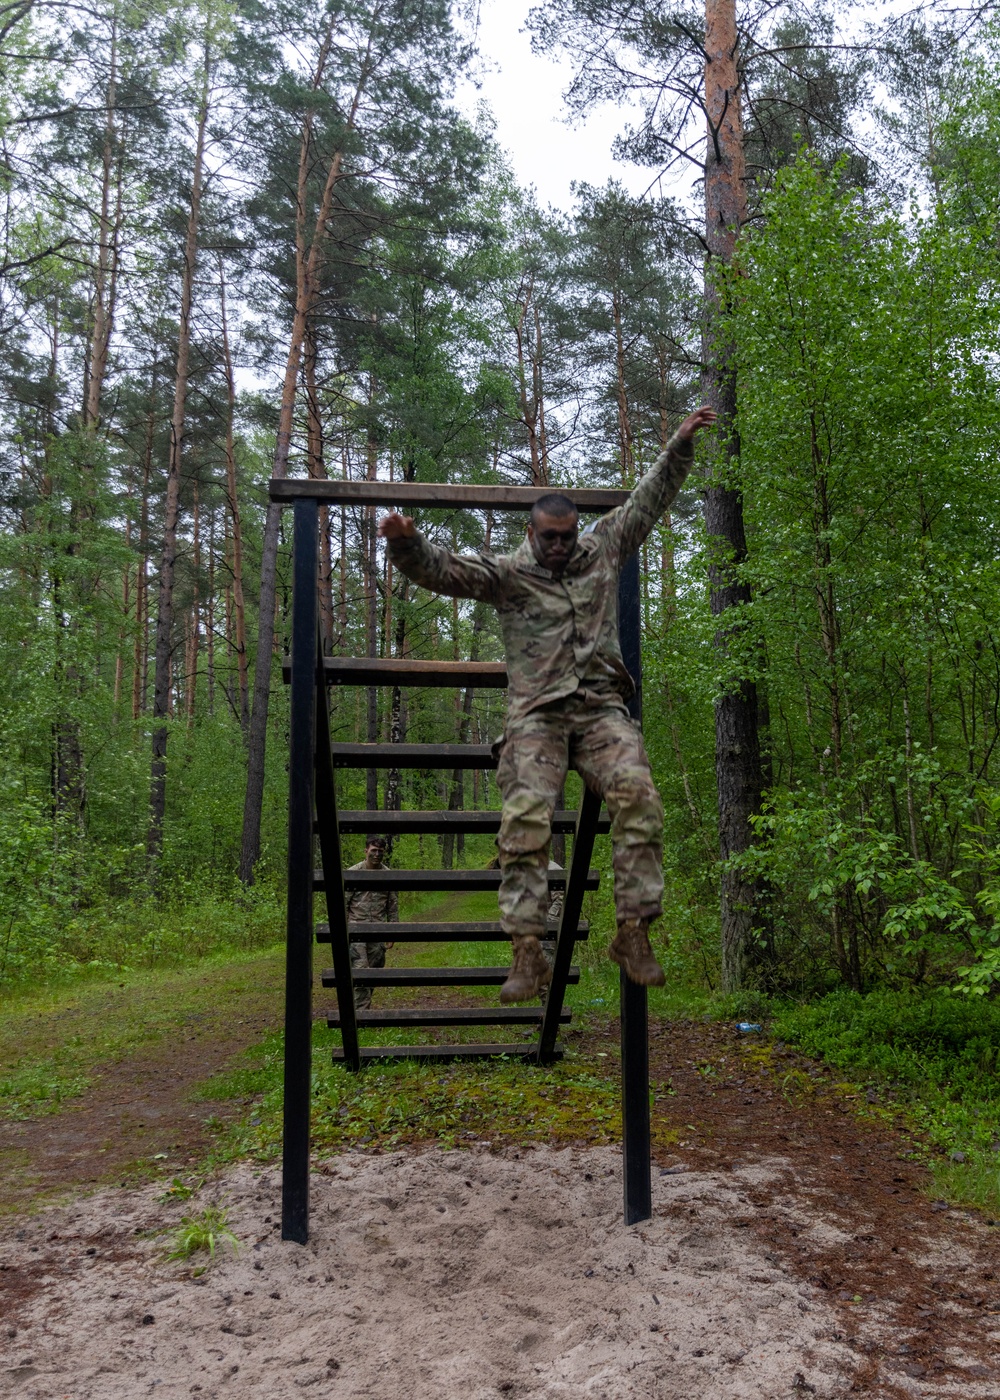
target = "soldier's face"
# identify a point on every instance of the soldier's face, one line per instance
(373, 855)
(553, 539)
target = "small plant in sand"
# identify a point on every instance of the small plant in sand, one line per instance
(206, 1231)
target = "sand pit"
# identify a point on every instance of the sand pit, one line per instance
(468, 1274)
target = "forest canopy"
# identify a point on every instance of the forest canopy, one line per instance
(260, 239)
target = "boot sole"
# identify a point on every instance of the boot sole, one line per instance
(509, 998)
(654, 979)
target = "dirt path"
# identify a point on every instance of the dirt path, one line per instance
(141, 1114)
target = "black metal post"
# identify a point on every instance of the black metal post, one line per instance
(634, 1013)
(333, 873)
(298, 956)
(583, 849)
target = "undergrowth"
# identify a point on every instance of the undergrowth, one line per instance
(393, 1104)
(932, 1057)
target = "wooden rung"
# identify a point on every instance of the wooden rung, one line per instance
(523, 1050)
(448, 1016)
(435, 495)
(431, 976)
(366, 670)
(435, 933)
(436, 823)
(465, 880)
(412, 756)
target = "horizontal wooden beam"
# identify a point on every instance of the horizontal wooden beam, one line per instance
(485, 932)
(448, 1016)
(430, 976)
(522, 1050)
(413, 756)
(439, 823)
(362, 670)
(438, 495)
(464, 880)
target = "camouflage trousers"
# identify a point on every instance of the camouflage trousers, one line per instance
(596, 736)
(365, 955)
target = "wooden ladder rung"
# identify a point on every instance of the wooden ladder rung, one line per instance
(519, 1050)
(449, 1016)
(438, 823)
(485, 932)
(369, 670)
(431, 976)
(465, 880)
(413, 756)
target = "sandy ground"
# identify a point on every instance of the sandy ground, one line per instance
(476, 1273)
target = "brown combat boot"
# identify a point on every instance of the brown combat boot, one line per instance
(530, 970)
(633, 951)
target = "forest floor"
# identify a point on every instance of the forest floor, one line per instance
(794, 1248)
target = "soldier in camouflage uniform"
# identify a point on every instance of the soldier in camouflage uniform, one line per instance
(557, 596)
(372, 907)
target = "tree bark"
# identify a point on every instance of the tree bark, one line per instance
(168, 557)
(308, 266)
(737, 739)
(239, 608)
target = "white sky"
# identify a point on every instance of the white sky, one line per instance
(524, 92)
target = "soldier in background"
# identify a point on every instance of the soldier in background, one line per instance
(370, 907)
(557, 600)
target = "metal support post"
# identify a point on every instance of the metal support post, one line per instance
(298, 956)
(634, 1015)
(333, 873)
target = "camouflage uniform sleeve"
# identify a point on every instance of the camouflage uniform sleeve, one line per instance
(457, 575)
(633, 521)
(392, 907)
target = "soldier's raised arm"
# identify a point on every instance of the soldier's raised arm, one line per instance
(660, 485)
(457, 575)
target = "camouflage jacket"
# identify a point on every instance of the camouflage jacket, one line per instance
(372, 906)
(558, 633)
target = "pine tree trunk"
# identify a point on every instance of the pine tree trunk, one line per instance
(737, 737)
(140, 655)
(308, 262)
(162, 682)
(191, 679)
(239, 608)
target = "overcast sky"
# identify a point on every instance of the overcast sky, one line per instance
(524, 93)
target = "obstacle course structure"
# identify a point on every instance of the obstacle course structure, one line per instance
(312, 813)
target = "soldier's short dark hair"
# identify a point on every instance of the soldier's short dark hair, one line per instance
(379, 841)
(555, 504)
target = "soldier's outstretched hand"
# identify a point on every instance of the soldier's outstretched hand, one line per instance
(702, 417)
(396, 527)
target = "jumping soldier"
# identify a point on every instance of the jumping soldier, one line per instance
(557, 599)
(371, 907)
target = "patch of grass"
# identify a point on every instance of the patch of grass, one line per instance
(54, 1044)
(390, 1104)
(929, 1056)
(32, 1089)
(206, 1231)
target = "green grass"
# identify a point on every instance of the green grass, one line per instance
(206, 1231)
(930, 1056)
(393, 1104)
(54, 1044)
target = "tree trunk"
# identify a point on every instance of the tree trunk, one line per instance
(308, 264)
(737, 738)
(168, 557)
(232, 494)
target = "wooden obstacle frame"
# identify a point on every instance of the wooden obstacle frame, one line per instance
(312, 812)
